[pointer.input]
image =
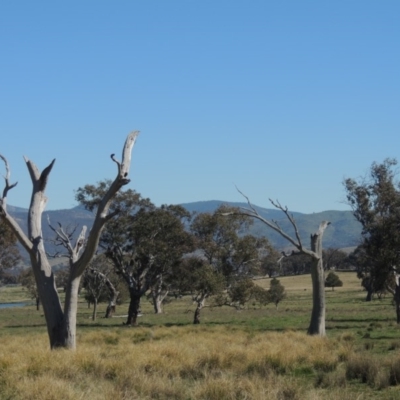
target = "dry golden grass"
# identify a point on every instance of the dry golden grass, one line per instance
(192, 362)
(252, 354)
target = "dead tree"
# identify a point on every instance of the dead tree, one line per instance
(317, 323)
(61, 321)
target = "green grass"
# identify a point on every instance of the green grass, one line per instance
(249, 354)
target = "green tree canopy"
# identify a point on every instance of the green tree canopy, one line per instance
(333, 280)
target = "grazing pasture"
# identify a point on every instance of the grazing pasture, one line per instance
(256, 353)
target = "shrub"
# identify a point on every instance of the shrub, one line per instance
(332, 281)
(368, 370)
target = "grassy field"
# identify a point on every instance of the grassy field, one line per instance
(259, 353)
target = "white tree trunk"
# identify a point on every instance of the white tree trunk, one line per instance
(317, 323)
(70, 314)
(158, 296)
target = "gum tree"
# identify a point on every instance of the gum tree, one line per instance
(61, 320)
(375, 201)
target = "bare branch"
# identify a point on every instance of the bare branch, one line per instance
(44, 177)
(102, 215)
(33, 169)
(117, 162)
(8, 186)
(62, 238)
(252, 212)
(289, 217)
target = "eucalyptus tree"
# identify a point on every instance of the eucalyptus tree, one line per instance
(375, 201)
(195, 275)
(317, 323)
(226, 260)
(61, 321)
(143, 243)
(224, 244)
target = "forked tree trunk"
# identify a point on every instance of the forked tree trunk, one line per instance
(158, 296)
(61, 324)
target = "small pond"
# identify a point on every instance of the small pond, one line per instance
(11, 305)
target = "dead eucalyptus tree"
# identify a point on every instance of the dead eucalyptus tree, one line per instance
(61, 321)
(317, 323)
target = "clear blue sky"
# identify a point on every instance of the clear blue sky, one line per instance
(282, 98)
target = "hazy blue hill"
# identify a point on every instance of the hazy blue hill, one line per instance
(344, 230)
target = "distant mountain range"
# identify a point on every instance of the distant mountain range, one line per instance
(343, 232)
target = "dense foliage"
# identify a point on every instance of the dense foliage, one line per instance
(376, 205)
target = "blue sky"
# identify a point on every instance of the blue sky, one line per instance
(282, 98)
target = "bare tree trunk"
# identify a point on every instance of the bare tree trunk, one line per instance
(317, 324)
(112, 303)
(158, 297)
(133, 311)
(199, 305)
(397, 298)
(157, 304)
(94, 315)
(395, 293)
(48, 295)
(70, 313)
